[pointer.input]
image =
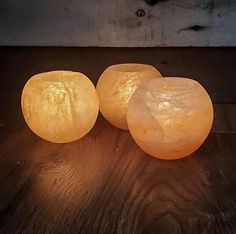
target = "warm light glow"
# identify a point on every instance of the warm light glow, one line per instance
(170, 118)
(60, 106)
(115, 87)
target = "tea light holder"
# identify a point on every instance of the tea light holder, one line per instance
(170, 118)
(60, 106)
(115, 87)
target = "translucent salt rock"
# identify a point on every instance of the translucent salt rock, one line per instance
(115, 87)
(170, 118)
(60, 106)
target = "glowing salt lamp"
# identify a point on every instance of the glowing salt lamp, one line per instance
(115, 87)
(170, 118)
(60, 106)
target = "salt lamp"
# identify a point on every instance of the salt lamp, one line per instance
(60, 106)
(170, 118)
(115, 87)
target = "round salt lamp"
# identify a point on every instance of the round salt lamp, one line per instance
(115, 87)
(170, 118)
(60, 106)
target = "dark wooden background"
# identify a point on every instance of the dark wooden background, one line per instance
(104, 183)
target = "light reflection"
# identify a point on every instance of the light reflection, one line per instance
(68, 173)
(67, 177)
(71, 173)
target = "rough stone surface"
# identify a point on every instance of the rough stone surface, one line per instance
(170, 118)
(60, 106)
(115, 87)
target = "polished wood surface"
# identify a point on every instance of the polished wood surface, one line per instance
(104, 183)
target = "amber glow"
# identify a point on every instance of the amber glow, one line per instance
(115, 87)
(170, 118)
(60, 106)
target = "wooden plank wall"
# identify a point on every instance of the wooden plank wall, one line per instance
(123, 23)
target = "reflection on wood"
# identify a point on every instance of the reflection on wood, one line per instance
(104, 183)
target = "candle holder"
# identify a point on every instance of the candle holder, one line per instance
(115, 87)
(170, 118)
(60, 106)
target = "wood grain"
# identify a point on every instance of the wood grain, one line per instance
(225, 118)
(118, 23)
(214, 68)
(104, 183)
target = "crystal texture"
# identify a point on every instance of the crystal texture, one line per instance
(170, 118)
(115, 87)
(60, 106)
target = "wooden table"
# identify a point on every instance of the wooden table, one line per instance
(104, 183)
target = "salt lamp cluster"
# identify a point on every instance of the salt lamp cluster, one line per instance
(168, 117)
(60, 106)
(115, 87)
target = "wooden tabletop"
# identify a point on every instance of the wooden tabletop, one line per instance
(104, 183)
